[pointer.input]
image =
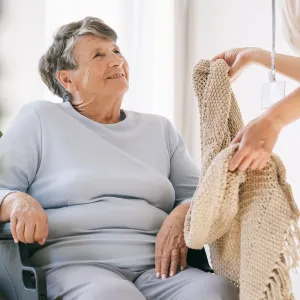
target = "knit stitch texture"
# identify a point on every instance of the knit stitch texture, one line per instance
(248, 219)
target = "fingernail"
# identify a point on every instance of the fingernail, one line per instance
(157, 275)
(172, 274)
(163, 276)
(16, 241)
(181, 268)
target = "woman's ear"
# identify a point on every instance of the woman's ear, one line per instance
(64, 77)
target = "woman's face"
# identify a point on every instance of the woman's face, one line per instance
(102, 69)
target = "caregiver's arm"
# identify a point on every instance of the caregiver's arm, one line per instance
(258, 138)
(20, 156)
(240, 58)
(285, 64)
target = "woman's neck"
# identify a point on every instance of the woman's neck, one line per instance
(104, 111)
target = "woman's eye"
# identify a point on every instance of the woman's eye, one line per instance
(118, 52)
(98, 54)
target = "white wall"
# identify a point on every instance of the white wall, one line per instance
(221, 25)
(22, 40)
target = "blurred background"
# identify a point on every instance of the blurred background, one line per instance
(162, 40)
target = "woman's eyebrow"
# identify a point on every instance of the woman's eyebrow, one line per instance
(116, 47)
(95, 51)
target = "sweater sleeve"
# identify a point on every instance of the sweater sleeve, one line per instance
(184, 174)
(20, 152)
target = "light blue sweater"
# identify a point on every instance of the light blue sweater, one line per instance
(106, 188)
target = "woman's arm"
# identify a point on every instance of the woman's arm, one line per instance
(171, 250)
(20, 157)
(184, 174)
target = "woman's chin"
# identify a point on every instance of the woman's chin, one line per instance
(120, 89)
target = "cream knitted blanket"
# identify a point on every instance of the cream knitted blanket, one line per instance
(249, 219)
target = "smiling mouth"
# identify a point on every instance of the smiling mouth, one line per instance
(119, 75)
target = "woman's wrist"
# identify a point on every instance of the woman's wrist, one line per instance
(6, 206)
(181, 210)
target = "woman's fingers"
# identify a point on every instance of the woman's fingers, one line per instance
(13, 228)
(29, 221)
(158, 257)
(20, 231)
(174, 262)
(165, 263)
(41, 232)
(29, 232)
(183, 257)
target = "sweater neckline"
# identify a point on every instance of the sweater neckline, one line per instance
(123, 123)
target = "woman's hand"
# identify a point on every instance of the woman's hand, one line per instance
(257, 141)
(28, 220)
(170, 249)
(237, 59)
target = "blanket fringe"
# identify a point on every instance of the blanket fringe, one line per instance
(279, 286)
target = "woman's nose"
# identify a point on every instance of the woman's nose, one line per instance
(116, 61)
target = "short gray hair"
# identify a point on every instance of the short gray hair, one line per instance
(60, 55)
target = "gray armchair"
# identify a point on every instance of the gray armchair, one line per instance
(19, 278)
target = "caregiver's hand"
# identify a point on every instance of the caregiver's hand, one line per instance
(28, 219)
(237, 59)
(170, 248)
(257, 141)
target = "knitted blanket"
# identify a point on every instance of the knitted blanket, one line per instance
(248, 219)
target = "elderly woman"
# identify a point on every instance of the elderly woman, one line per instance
(104, 191)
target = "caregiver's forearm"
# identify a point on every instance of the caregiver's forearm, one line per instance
(287, 110)
(285, 64)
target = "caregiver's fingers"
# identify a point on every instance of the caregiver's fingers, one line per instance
(219, 56)
(238, 137)
(264, 162)
(255, 163)
(246, 162)
(238, 157)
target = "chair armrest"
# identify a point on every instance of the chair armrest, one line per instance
(5, 233)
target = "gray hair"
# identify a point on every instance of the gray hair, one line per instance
(60, 55)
